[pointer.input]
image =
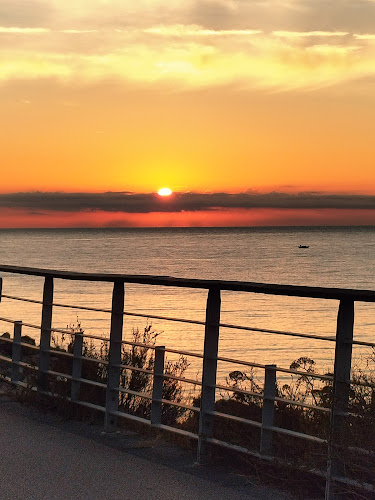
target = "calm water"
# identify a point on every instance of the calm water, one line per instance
(336, 257)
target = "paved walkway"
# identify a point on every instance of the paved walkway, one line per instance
(43, 458)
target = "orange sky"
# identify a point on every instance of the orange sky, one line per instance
(211, 96)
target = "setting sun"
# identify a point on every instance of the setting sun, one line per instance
(164, 192)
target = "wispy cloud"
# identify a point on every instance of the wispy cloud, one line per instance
(308, 34)
(186, 61)
(366, 36)
(181, 30)
(125, 202)
(22, 30)
(73, 31)
(267, 44)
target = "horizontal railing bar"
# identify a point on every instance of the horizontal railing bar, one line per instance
(22, 299)
(93, 406)
(184, 353)
(253, 423)
(181, 320)
(165, 318)
(240, 362)
(301, 435)
(61, 353)
(182, 379)
(235, 447)
(306, 374)
(196, 322)
(181, 432)
(236, 389)
(138, 344)
(278, 332)
(105, 310)
(22, 344)
(134, 369)
(118, 413)
(47, 393)
(18, 363)
(302, 404)
(25, 365)
(133, 393)
(95, 337)
(285, 370)
(229, 360)
(57, 304)
(37, 327)
(90, 382)
(179, 405)
(5, 339)
(59, 374)
(166, 401)
(237, 286)
(95, 360)
(364, 343)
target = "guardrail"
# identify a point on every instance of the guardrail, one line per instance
(338, 412)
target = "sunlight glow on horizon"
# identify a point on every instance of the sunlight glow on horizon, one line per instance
(164, 191)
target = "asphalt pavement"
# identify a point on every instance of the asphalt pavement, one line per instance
(46, 458)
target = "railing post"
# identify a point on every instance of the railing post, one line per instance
(16, 352)
(114, 358)
(211, 345)
(157, 389)
(1, 288)
(341, 389)
(45, 334)
(268, 410)
(77, 366)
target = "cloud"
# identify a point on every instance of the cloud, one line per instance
(125, 202)
(188, 57)
(264, 44)
(181, 30)
(305, 34)
(75, 31)
(365, 36)
(18, 30)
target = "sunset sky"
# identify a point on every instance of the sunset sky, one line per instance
(254, 112)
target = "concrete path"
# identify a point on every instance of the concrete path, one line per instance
(43, 458)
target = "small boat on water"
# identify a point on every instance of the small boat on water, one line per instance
(303, 246)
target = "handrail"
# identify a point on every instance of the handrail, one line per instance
(192, 322)
(235, 286)
(112, 376)
(319, 376)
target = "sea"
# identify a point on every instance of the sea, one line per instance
(336, 257)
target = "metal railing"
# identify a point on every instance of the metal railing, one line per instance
(207, 411)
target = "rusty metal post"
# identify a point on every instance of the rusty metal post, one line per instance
(268, 410)
(45, 334)
(211, 346)
(16, 352)
(341, 390)
(114, 359)
(77, 366)
(157, 389)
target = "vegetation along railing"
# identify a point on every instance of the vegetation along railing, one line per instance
(331, 434)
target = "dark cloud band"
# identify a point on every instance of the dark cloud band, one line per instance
(150, 202)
